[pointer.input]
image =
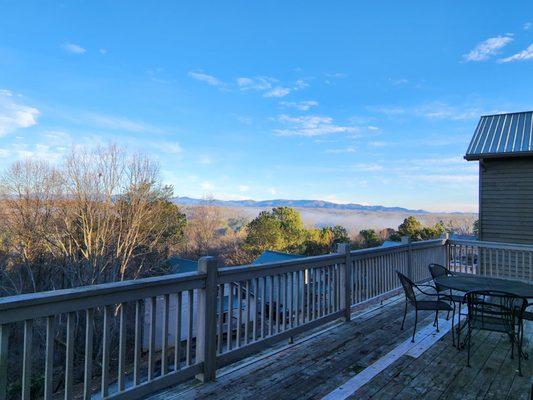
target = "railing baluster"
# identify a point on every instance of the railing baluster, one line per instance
(263, 306)
(278, 302)
(221, 289)
(247, 315)
(297, 316)
(27, 359)
(105, 350)
(164, 338)
(239, 315)
(307, 285)
(177, 335)
(4, 349)
(69, 357)
(256, 312)
(122, 347)
(88, 372)
(151, 338)
(190, 326)
(284, 311)
(137, 344)
(270, 303)
(49, 358)
(229, 336)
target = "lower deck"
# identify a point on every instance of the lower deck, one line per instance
(371, 358)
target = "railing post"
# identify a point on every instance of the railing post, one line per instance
(407, 240)
(346, 279)
(446, 238)
(207, 317)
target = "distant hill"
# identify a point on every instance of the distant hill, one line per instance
(321, 204)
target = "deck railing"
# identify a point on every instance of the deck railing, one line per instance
(504, 260)
(225, 314)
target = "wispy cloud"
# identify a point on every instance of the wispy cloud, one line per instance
(367, 167)
(269, 86)
(169, 147)
(486, 49)
(299, 105)
(278, 91)
(341, 151)
(432, 110)
(14, 114)
(527, 26)
(73, 48)
(110, 122)
(243, 188)
(310, 125)
(206, 78)
(526, 54)
(260, 83)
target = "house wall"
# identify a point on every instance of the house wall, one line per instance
(506, 200)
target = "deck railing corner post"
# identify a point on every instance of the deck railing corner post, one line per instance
(345, 281)
(407, 240)
(207, 316)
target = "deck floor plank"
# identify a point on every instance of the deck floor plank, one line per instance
(312, 368)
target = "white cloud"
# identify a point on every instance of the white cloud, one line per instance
(398, 82)
(368, 167)
(272, 191)
(527, 26)
(243, 188)
(432, 110)
(206, 78)
(526, 54)
(278, 91)
(340, 151)
(244, 120)
(269, 86)
(112, 122)
(103, 51)
(15, 115)
(310, 125)
(299, 105)
(73, 48)
(260, 83)
(484, 50)
(207, 185)
(169, 147)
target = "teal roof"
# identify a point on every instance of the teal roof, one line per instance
(181, 265)
(502, 135)
(274, 256)
(390, 243)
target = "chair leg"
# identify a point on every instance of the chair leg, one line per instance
(404, 314)
(512, 347)
(414, 329)
(437, 319)
(453, 327)
(468, 339)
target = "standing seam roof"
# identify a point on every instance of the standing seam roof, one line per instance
(502, 135)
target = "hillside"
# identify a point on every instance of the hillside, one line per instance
(352, 216)
(294, 203)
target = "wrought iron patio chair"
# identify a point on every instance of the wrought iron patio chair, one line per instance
(410, 288)
(437, 271)
(497, 311)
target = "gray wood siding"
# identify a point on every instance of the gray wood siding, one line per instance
(506, 200)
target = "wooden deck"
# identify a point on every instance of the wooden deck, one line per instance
(313, 367)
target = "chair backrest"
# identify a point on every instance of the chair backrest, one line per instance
(436, 271)
(495, 310)
(408, 287)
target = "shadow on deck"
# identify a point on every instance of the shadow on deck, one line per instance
(316, 365)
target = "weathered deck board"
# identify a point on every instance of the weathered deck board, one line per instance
(313, 368)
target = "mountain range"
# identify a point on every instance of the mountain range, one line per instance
(321, 204)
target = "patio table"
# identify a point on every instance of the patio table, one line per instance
(467, 282)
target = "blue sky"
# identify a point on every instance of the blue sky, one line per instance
(371, 103)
